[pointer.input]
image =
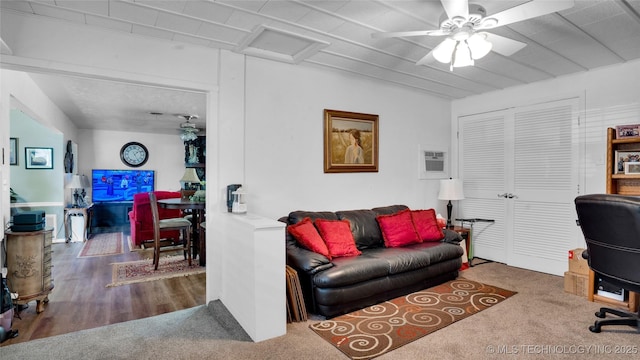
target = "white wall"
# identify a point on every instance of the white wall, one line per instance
(284, 140)
(609, 98)
(100, 149)
(18, 91)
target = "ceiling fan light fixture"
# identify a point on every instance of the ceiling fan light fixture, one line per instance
(444, 51)
(188, 135)
(489, 23)
(462, 56)
(479, 46)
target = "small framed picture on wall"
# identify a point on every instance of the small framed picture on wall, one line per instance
(38, 158)
(13, 151)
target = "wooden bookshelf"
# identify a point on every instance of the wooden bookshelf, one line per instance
(623, 184)
(631, 302)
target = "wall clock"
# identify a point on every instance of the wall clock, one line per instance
(134, 154)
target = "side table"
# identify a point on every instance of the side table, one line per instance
(465, 234)
(470, 233)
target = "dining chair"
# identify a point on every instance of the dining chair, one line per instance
(168, 224)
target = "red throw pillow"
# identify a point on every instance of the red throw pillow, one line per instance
(338, 237)
(426, 225)
(397, 229)
(307, 235)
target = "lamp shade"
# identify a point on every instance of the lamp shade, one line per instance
(462, 55)
(190, 176)
(479, 45)
(75, 183)
(444, 51)
(84, 179)
(451, 189)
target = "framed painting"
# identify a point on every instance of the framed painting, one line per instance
(38, 158)
(350, 142)
(13, 151)
(624, 157)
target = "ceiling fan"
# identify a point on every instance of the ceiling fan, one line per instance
(188, 129)
(462, 24)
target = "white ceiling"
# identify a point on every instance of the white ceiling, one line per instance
(333, 34)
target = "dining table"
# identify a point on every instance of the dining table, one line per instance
(197, 208)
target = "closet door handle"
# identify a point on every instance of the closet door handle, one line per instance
(511, 196)
(505, 195)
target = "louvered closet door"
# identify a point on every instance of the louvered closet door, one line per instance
(484, 174)
(534, 211)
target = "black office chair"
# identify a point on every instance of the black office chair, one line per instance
(611, 227)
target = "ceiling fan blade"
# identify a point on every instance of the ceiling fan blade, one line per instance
(384, 35)
(427, 59)
(504, 46)
(529, 10)
(455, 8)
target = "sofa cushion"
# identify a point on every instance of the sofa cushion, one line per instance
(351, 270)
(416, 256)
(397, 229)
(307, 235)
(364, 228)
(337, 235)
(388, 210)
(426, 225)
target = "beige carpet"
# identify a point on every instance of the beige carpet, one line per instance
(103, 245)
(378, 329)
(540, 319)
(131, 272)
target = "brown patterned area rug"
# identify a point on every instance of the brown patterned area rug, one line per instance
(142, 270)
(378, 329)
(103, 245)
(148, 245)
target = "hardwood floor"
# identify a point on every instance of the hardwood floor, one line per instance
(80, 299)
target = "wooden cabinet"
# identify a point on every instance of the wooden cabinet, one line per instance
(623, 184)
(29, 266)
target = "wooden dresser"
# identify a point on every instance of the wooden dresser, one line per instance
(29, 266)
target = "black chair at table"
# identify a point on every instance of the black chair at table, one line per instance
(168, 224)
(611, 227)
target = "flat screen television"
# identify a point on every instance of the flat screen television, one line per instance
(108, 185)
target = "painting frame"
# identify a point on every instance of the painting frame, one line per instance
(627, 131)
(13, 151)
(623, 157)
(350, 142)
(38, 158)
(632, 168)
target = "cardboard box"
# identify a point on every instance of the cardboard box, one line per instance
(577, 264)
(577, 284)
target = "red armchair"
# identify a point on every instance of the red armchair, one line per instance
(141, 219)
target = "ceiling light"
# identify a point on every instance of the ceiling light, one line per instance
(188, 129)
(460, 50)
(479, 45)
(461, 56)
(187, 135)
(444, 51)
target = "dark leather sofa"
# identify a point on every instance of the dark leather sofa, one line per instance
(331, 288)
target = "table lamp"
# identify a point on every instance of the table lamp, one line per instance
(450, 189)
(74, 185)
(190, 177)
